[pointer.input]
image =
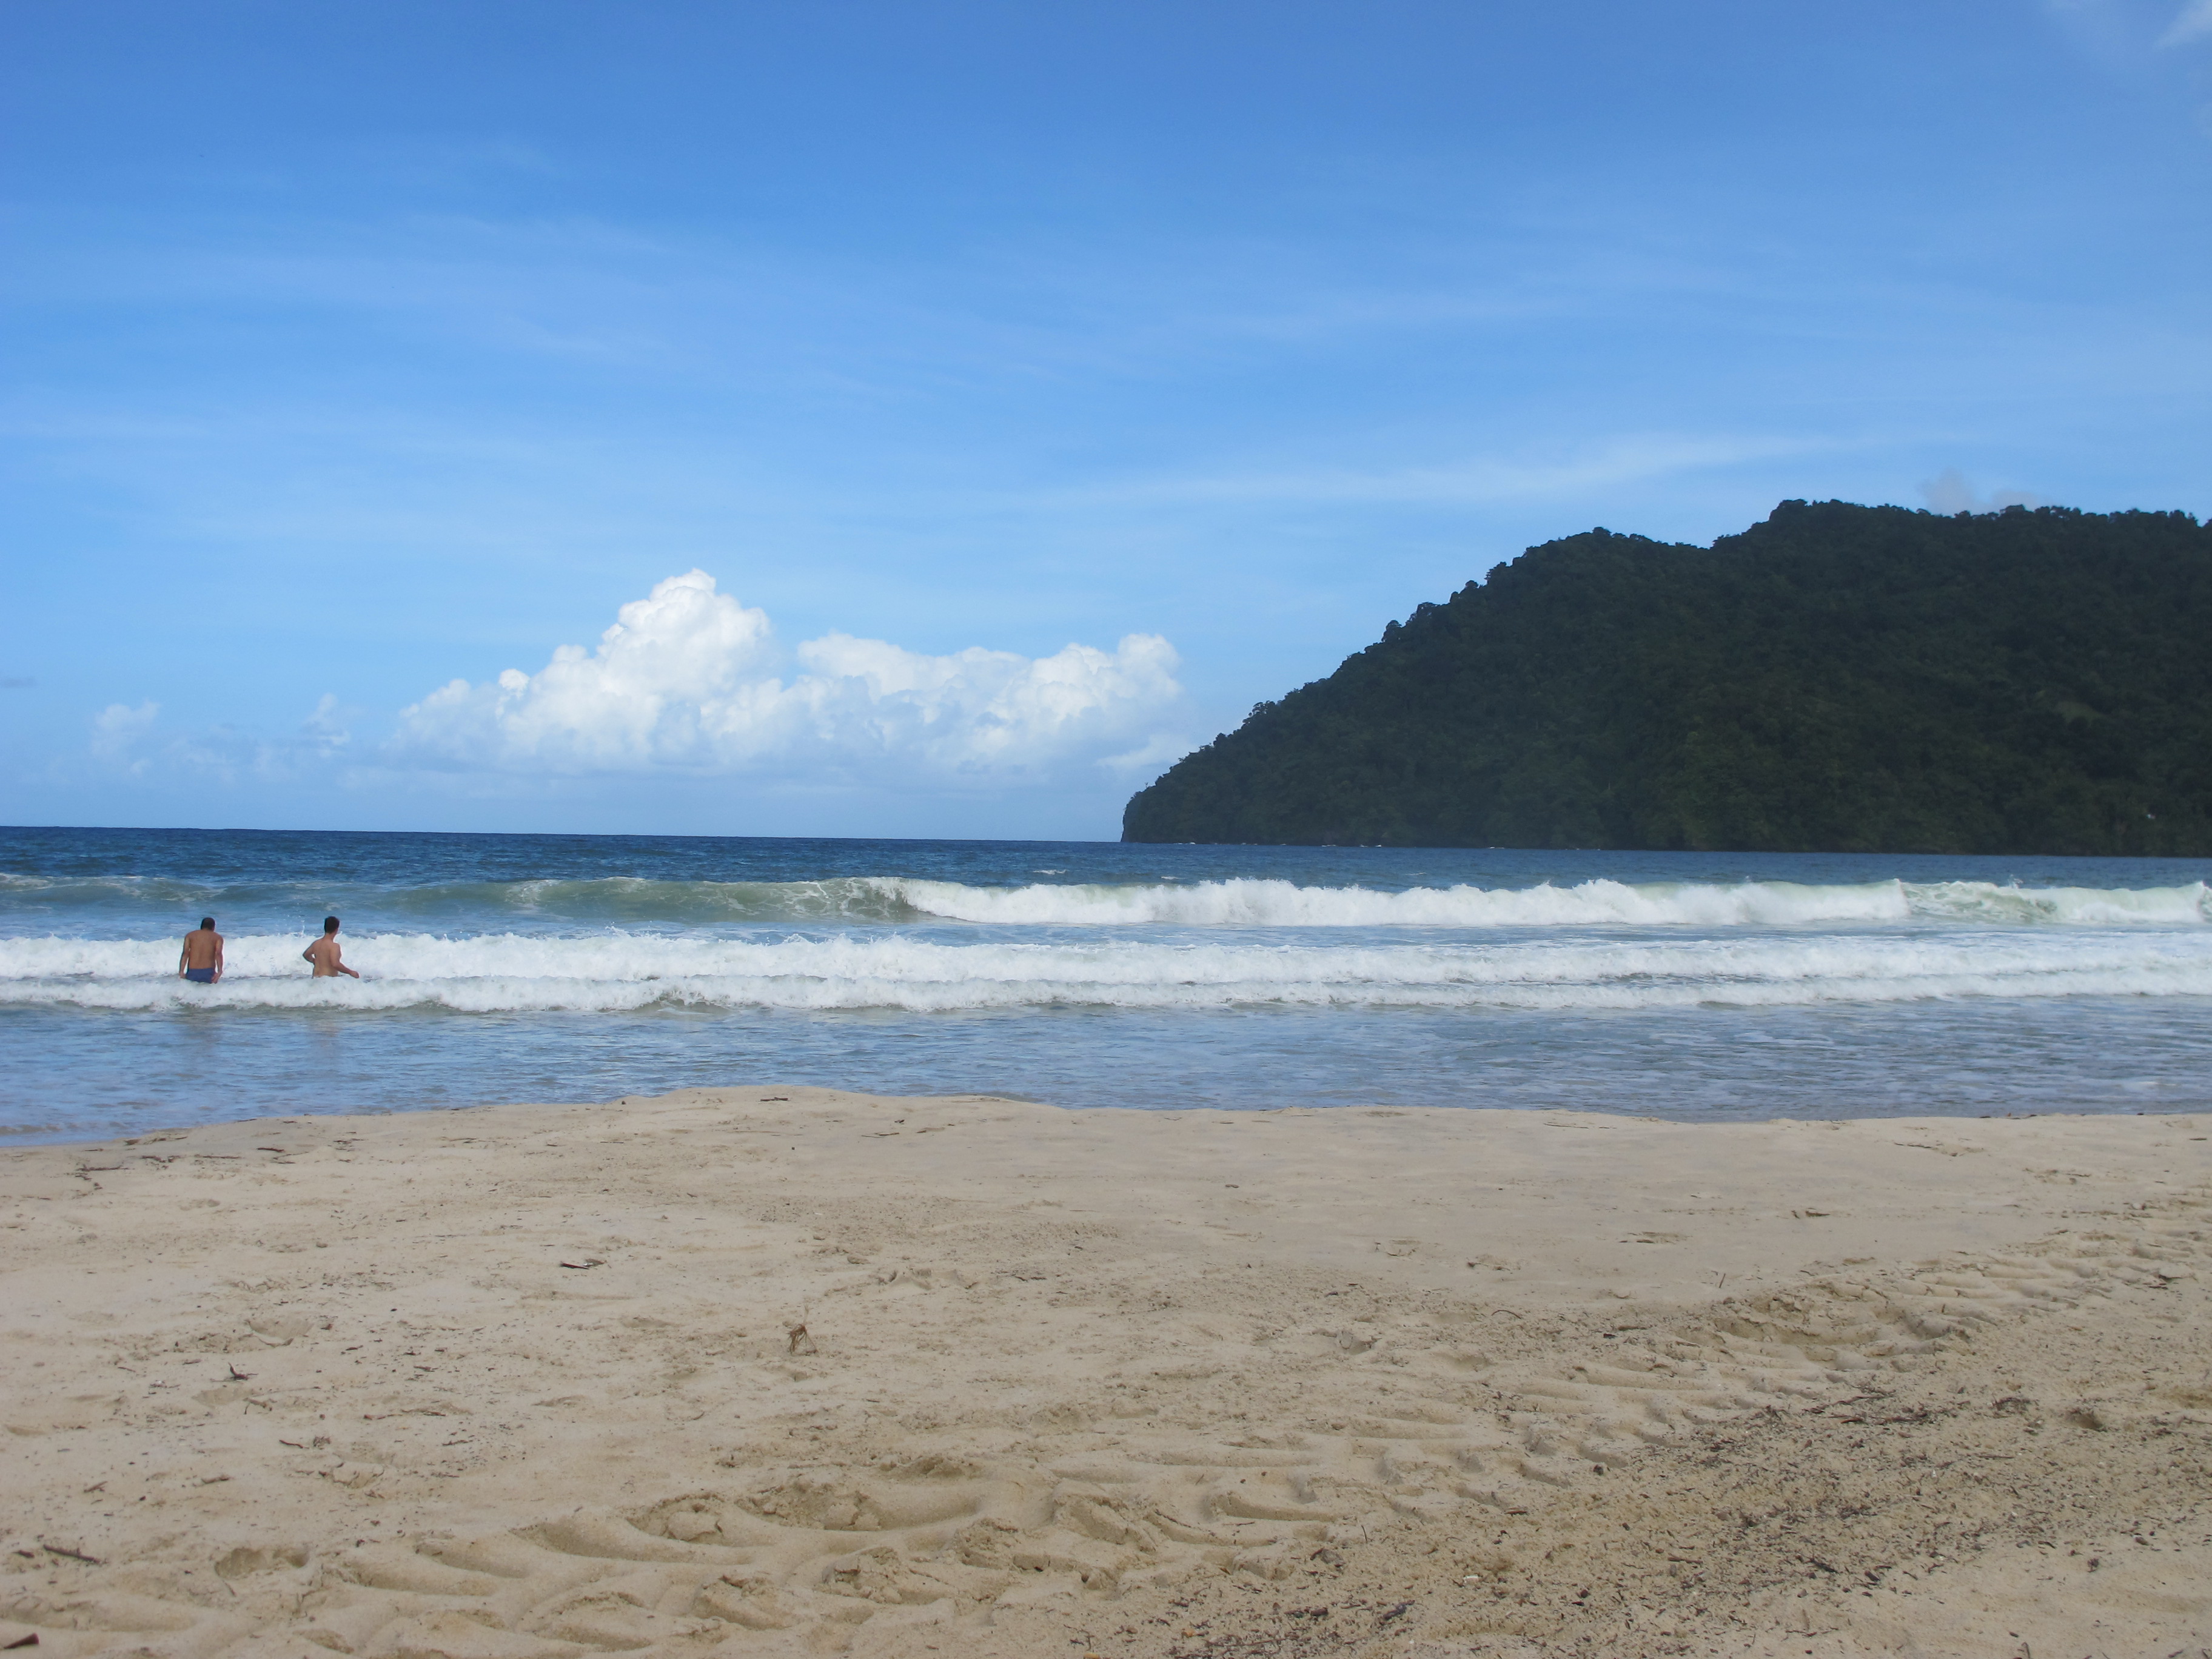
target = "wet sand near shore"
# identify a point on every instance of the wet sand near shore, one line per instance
(784, 1370)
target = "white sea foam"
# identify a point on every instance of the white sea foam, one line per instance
(1284, 904)
(620, 971)
(1751, 903)
(2087, 907)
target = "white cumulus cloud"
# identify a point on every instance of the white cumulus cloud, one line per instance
(688, 679)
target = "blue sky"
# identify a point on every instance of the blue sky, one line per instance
(1039, 386)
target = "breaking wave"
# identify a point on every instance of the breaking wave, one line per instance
(1760, 903)
(891, 900)
(617, 972)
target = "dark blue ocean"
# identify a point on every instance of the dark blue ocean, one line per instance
(548, 967)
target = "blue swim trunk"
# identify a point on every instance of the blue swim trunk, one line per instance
(200, 976)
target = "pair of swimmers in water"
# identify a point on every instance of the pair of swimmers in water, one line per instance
(201, 961)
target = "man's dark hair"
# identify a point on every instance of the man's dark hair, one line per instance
(206, 922)
(330, 924)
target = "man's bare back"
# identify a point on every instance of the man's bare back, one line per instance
(201, 960)
(324, 953)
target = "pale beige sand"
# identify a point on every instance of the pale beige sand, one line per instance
(520, 1382)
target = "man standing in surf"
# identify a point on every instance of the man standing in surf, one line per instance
(323, 954)
(201, 960)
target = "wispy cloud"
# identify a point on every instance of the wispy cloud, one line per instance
(131, 740)
(1950, 491)
(2193, 22)
(1474, 481)
(118, 732)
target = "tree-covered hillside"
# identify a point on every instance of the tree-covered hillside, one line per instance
(1837, 679)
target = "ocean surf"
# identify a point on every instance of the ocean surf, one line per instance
(574, 968)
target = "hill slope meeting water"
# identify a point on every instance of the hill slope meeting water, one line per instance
(1838, 678)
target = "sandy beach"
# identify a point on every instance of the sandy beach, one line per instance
(779, 1370)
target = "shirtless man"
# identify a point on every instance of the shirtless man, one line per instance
(201, 960)
(324, 953)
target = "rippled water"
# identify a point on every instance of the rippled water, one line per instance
(500, 968)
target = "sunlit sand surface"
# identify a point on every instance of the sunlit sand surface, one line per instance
(781, 1370)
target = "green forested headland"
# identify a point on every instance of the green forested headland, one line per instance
(1837, 679)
